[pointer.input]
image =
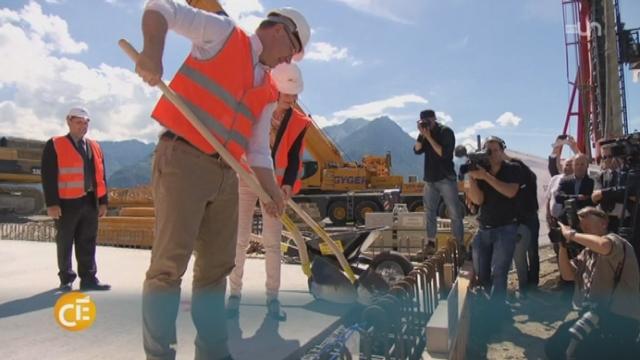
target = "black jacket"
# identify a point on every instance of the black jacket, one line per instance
(527, 197)
(50, 175)
(566, 190)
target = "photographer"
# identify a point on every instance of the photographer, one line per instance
(609, 188)
(494, 188)
(574, 193)
(436, 141)
(555, 164)
(526, 255)
(607, 293)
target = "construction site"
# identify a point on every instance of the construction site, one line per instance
(360, 273)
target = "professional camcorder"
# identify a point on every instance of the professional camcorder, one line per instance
(476, 160)
(626, 148)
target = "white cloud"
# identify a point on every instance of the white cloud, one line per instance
(48, 29)
(322, 121)
(508, 119)
(323, 51)
(380, 8)
(45, 82)
(247, 13)
(444, 117)
(378, 108)
(473, 129)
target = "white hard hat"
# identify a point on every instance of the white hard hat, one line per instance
(302, 26)
(78, 112)
(288, 78)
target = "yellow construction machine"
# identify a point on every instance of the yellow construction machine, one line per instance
(346, 190)
(20, 189)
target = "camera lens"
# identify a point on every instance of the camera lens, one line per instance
(583, 327)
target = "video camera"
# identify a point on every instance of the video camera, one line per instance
(626, 148)
(571, 210)
(476, 160)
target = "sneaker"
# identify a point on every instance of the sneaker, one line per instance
(233, 307)
(273, 310)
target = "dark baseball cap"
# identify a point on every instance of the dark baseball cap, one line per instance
(427, 114)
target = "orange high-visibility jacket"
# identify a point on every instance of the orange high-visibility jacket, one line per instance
(221, 93)
(298, 122)
(71, 168)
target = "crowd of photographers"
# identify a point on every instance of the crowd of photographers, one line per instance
(591, 220)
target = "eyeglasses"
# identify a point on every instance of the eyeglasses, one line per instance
(288, 24)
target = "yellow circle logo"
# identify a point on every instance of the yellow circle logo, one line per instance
(74, 311)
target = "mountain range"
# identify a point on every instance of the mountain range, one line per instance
(129, 162)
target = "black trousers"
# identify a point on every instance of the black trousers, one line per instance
(78, 225)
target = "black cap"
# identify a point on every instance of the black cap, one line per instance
(496, 139)
(427, 114)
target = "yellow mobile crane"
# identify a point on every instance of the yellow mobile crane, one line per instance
(346, 190)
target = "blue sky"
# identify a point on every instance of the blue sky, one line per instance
(488, 67)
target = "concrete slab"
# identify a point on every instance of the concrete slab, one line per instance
(28, 329)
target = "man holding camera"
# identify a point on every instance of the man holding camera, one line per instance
(437, 142)
(494, 190)
(574, 193)
(609, 188)
(555, 162)
(607, 293)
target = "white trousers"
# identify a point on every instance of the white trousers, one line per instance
(271, 233)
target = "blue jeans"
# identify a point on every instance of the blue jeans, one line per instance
(520, 256)
(492, 255)
(448, 189)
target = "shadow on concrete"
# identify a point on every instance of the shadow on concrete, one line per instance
(36, 302)
(265, 344)
(328, 308)
(317, 306)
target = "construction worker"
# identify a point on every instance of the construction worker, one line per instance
(75, 189)
(225, 80)
(288, 126)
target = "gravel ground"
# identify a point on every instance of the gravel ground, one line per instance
(530, 321)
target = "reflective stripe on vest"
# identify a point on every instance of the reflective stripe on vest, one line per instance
(220, 91)
(297, 123)
(71, 168)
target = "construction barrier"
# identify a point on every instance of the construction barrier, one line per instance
(405, 322)
(34, 231)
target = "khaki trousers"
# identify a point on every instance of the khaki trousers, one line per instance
(271, 233)
(196, 209)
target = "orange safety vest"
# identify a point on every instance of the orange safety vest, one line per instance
(220, 91)
(298, 122)
(71, 168)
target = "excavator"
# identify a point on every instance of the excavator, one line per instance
(20, 189)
